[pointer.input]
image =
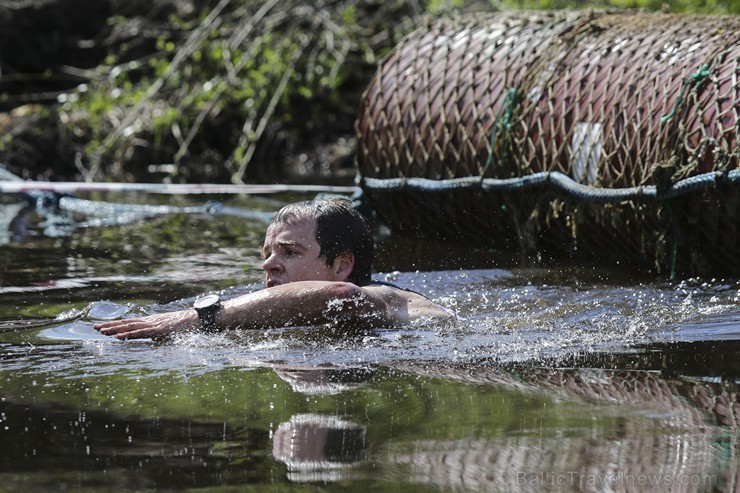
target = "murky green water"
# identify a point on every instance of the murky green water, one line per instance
(556, 380)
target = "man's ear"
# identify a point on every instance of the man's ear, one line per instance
(343, 265)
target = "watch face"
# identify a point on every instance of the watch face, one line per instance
(206, 301)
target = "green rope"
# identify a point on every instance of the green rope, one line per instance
(697, 76)
(506, 109)
(674, 232)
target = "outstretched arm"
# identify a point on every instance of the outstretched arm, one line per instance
(292, 304)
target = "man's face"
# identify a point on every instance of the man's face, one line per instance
(291, 254)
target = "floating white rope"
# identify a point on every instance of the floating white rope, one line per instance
(7, 186)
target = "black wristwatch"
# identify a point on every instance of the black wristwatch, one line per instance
(207, 306)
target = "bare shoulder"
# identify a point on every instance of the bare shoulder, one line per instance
(408, 306)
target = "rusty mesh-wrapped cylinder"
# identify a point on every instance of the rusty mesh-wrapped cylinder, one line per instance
(610, 100)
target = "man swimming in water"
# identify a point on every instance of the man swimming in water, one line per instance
(317, 262)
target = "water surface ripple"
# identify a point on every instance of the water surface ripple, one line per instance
(569, 378)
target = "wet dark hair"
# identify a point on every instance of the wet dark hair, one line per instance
(339, 229)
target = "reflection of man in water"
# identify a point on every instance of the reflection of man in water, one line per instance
(324, 380)
(318, 447)
(318, 257)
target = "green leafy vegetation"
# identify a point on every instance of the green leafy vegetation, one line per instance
(232, 84)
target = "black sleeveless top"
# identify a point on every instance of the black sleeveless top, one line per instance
(372, 282)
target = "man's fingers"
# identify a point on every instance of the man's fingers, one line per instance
(130, 329)
(121, 326)
(140, 334)
(155, 326)
(134, 330)
(106, 326)
(103, 325)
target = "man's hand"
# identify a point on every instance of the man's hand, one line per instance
(154, 326)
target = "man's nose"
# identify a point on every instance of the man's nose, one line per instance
(270, 264)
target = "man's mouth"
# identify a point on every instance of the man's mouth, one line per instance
(272, 282)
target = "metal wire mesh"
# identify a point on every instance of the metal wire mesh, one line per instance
(611, 100)
(622, 97)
